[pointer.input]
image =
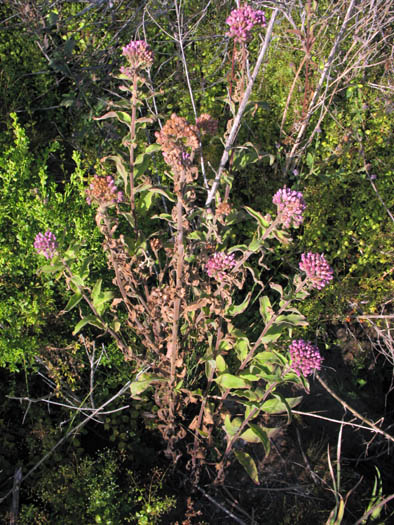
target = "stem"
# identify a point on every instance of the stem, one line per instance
(132, 146)
(269, 324)
(179, 275)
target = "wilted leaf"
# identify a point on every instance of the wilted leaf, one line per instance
(249, 465)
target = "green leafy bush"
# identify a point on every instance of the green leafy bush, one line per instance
(31, 201)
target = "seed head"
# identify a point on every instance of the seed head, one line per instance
(139, 56)
(103, 191)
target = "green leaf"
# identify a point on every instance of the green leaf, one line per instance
(221, 364)
(52, 268)
(242, 348)
(255, 245)
(262, 436)
(77, 281)
(231, 427)
(248, 463)
(265, 357)
(123, 117)
(231, 381)
(85, 267)
(137, 387)
(292, 319)
(272, 334)
(259, 218)
(266, 310)
(277, 287)
(280, 404)
(90, 319)
(236, 309)
(73, 301)
(96, 290)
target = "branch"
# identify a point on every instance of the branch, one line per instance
(237, 121)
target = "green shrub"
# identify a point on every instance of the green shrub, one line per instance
(30, 202)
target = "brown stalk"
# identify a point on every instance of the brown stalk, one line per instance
(132, 146)
(179, 276)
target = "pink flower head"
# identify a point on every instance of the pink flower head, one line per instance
(305, 357)
(46, 244)
(290, 205)
(218, 265)
(242, 21)
(103, 191)
(139, 56)
(317, 269)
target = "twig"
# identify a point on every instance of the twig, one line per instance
(69, 433)
(353, 411)
(220, 506)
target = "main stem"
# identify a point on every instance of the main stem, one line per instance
(132, 146)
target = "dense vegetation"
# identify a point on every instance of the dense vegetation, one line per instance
(149, 367)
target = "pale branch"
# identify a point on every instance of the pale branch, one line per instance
(237, 120)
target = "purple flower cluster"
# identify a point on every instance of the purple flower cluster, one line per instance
(242, 21)
(46, 244)
(317, 269)
(139, 56)
(219, 264)
(290, 205)
(103, 191)
(305, 357)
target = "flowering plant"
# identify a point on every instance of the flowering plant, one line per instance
(184, 292)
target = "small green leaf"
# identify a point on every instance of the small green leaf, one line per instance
(123, 117)
(77, 281)
(280, 404)
(236, 309)
(90, 319)
(242, 348)
(221, 364)
(230, 381)
(137, 387)
(73, 301)
(231, 427)
(51, 268)
(277, 287)
(96, 290)
(249, 465)
(272, 334)
(266, 310)
(259, 218)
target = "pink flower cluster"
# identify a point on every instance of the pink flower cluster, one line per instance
(290, 205)
(242, 21)
(46, 244)
(103, 191)
(139, 56)
(305, 357)
(317, 269)
(219, 264)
